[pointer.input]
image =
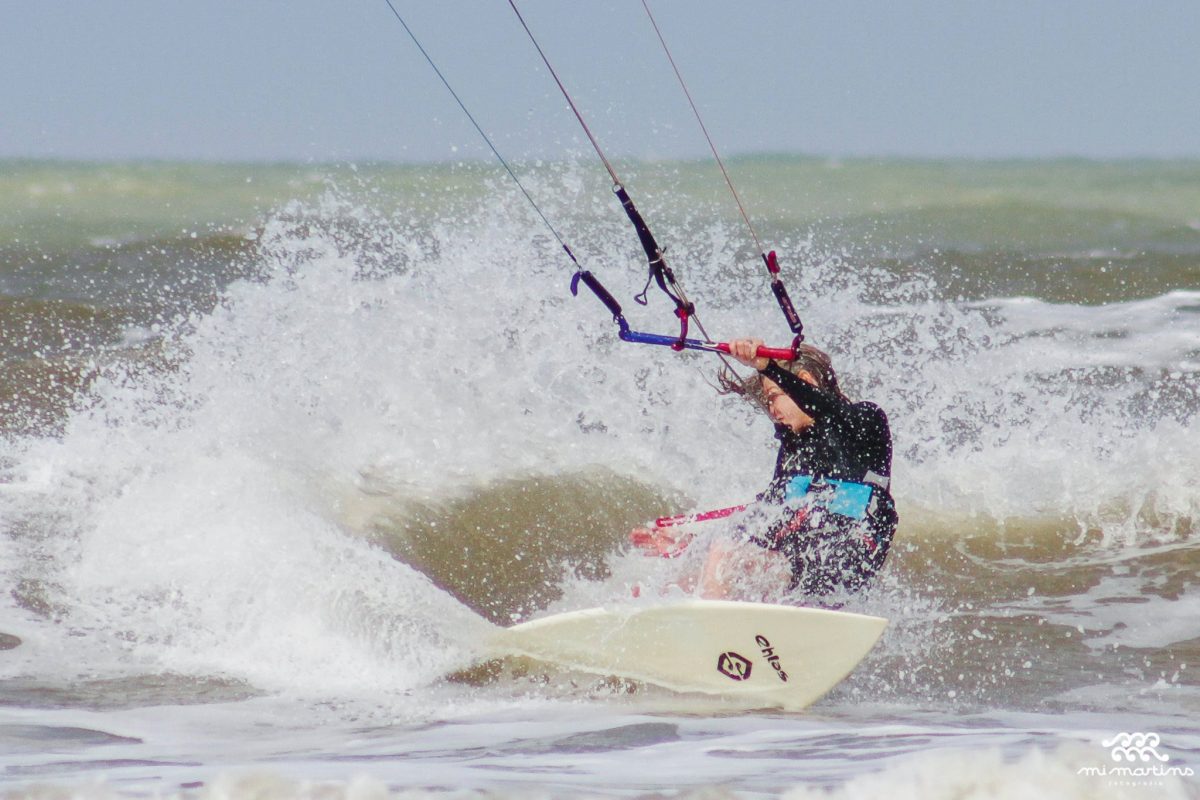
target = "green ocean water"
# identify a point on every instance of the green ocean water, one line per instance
(1112, 230)
(92, 251)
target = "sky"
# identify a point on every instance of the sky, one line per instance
(320, 80)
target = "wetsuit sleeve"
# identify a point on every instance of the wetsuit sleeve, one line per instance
(868, 425)
(812, 401)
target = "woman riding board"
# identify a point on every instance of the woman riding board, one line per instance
(835, 515)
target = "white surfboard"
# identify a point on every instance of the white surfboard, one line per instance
(777, 655)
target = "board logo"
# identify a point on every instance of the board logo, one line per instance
(768, 652)
(735, 666)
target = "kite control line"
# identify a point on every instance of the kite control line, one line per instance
(769, 259)
(660, 273)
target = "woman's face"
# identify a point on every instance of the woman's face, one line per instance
(782, 408)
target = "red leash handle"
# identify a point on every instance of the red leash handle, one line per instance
(777, 353)
(704, 516)
(658, 542)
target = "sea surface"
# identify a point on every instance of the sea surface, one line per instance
(279, 445)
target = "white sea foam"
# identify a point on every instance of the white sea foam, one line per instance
(993, 775)
(195, 518)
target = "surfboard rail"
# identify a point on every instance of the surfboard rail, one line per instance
(785, 656)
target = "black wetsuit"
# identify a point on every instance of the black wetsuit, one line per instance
(847, 442)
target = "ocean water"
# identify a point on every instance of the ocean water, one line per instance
(279, 444)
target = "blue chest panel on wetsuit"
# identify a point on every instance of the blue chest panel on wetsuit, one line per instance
(848, 498)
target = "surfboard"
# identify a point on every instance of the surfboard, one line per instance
(781, 656)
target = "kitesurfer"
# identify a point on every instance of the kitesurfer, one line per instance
(825, 521)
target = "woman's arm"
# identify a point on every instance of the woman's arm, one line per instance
(811, 400)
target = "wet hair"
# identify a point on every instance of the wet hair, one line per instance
(814, 361)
